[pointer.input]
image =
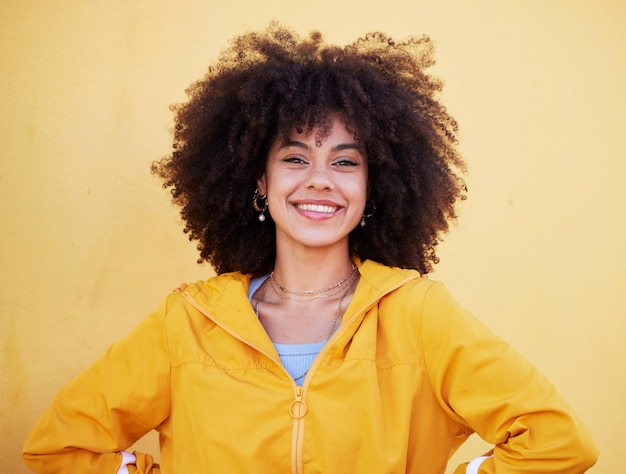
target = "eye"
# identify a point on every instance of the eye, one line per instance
(295, 159)
(346, 162)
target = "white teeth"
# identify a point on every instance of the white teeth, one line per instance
(316, 208)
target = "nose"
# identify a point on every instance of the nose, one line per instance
(319, 177)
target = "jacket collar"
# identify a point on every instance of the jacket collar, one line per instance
(223, 299)
(220, 298)
(380, 279)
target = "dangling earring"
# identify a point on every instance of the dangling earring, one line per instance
(367, 213)
(255, 203)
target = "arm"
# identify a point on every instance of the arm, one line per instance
(486, 385)
(110, 405)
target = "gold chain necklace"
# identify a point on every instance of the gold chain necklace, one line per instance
(332, 328)
(309, 295)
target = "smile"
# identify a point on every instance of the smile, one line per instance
(317, 208)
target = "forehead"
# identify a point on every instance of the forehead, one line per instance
(334, 130)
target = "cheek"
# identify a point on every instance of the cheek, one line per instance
(362, 191)
(357, 206)
(272, 185)
(277, 190)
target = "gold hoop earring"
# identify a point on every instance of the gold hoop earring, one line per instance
(260, 208)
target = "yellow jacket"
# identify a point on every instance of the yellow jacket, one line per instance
(404, 381)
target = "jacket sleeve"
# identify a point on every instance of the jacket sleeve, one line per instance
(108, 407)
(484, 384)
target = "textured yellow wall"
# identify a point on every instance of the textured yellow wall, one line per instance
(90, 244)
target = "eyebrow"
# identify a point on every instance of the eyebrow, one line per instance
(304, 146)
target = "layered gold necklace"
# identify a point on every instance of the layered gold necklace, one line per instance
(310, 295)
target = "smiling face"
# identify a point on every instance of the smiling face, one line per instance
(316, 193)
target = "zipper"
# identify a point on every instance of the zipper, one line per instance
(297, 411)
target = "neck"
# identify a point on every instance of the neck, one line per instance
(311, 270)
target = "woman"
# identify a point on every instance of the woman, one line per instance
(317, 181)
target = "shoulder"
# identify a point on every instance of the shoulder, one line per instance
(209, 293)
(404, 288)
(423, 299)
(429, 308)
(214, 283)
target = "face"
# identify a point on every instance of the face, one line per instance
(316, 194)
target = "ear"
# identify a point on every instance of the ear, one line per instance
(262, 185)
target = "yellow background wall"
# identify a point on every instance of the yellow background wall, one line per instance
(90, 244)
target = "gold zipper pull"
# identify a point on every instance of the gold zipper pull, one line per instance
(298, 408)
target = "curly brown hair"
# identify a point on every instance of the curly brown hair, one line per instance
(267, 83)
